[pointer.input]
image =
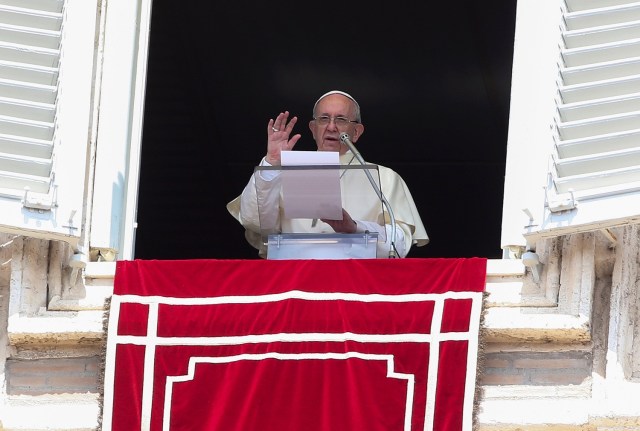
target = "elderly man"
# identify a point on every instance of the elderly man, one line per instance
(334, 113)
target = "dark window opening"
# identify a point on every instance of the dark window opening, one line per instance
(433, 81)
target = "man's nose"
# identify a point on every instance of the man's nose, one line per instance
(332, 124)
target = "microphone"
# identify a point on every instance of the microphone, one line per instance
(346, 139)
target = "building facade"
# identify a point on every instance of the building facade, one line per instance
(561, 334)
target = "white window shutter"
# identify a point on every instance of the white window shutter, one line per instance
(29, 58)
(42, 159)
(593, 172)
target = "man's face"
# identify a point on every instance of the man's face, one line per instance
(327, 136)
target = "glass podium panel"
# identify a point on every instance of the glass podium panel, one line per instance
(323, 246)
(292, 200)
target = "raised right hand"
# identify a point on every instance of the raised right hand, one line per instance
(278, 132)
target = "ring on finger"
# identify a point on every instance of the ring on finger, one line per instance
(275, 130)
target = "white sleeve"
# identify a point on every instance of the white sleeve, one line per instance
(384, 247)
(264, 189)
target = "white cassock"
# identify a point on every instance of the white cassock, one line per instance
(362, 205)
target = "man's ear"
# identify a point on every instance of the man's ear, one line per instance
(312, 128)
(359, 130)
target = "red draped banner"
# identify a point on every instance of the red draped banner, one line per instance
(313, 345)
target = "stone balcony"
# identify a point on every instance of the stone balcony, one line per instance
(548, 361)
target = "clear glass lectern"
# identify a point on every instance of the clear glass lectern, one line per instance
(293, 200)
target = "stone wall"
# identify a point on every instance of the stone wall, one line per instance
(53, 376)
(560, 353)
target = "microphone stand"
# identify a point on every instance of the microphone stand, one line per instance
(345, 139)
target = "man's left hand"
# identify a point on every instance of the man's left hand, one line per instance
(346, 225)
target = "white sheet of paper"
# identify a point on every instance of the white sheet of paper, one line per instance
(311, 193)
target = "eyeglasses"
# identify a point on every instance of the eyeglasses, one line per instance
(324, 120)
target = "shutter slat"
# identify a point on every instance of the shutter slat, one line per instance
(15, 181)
(41, 5)
(599, 126)
(29, 73)
(600, 89)
(599, 180)
(602, 35)
(35, 18)
(27, 128)
(25, 165)
(30, 36)
(597, 144)
(600, 107)
(581, 5)
(29, 55)
(598, 162)
(37, 148)
(599, 17)
(601, 53)
(42, 112)
(601, 71)
(36, 93)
